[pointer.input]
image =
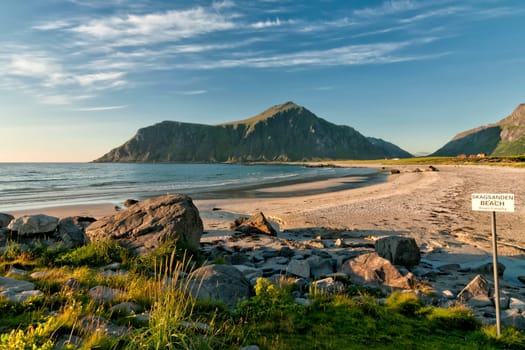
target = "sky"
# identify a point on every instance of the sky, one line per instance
(80, 77)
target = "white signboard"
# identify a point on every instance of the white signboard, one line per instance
(501, 202)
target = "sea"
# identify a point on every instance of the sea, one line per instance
(39, 185)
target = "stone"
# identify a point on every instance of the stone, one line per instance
(256, 224)
(449, 268)
(479, 286)
(13, 271)
(103, 294)
(319, 267)
(29, 225)
(129, 202)
(515, 303)
(125, 309)
(69, 341)
(514, 318)
(521, 279)
(299, 268)
(148, 224)
(395, 171)
(328, 286)
(249, 272)
(5, 219)
(71, 233)
(488, 269)
(250, 347)
(17, 291)
(92, 324)
(223, 283)
(372, 269)
(399, 250)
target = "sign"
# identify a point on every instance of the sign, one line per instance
(501, 202)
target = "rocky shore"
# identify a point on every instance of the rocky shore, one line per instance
(414, 233)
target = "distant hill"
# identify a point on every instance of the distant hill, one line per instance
(285, 132)
(504, 138)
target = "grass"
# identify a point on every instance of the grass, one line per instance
(271, 318)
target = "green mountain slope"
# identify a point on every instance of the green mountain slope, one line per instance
(286, 132)
(504, 138)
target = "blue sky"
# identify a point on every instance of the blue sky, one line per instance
(79, 77)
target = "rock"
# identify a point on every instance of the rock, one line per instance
(488, 269)
(395, 171)
(129, 202)
(514, 318)
(432, 168)
(103, 294)
(5, 219)
(70, 341)
(250, 347)
(256, 224)
(223, 283)
(300, 268)
(476, 288)
(17, 291)
(399, 250)
(521, 279)
(319, 267)
(125, 309)
(372, 269)
(148, 224)
(92, 324)
(328, 286)
(17, 272)
(70, 233)
(516, 304)
(449, 268)
(28, 225)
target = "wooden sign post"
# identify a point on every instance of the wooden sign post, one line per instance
(493, 202)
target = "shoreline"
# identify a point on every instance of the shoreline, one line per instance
(433, 207)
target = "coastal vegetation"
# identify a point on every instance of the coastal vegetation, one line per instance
(357, 318)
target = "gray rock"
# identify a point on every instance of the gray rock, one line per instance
(488, 269)
(17, 291)
(68, 340)
(256, 224)
(328, 286)
(249, 272)
(515, 303)
(250, 347)
(125, 309)
(103, 294)
(28, 225)
(5, 219)
(70, 233)
(92, 324)
(223, 283)
(17, 272)
(319, 267)
(299, 268)
(479, 286)
(399, 250)
(148, 224)
(372, 269)
(514, 318)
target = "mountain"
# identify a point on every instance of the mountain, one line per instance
(504, 138)
(285, 132)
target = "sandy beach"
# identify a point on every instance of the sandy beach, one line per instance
(432, 207)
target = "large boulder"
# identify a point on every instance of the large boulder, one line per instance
(71, 232)
(223, 283)
(148, 224)
(17, 291)
(476, 292)
(399, 250)
(372, 269)
(256, 224)
(5, 219)
(29, 225)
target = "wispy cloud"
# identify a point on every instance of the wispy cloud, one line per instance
(153, 28)
(270, 23)
(100, 108)
(192, 92)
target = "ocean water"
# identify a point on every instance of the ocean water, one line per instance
(38, 185)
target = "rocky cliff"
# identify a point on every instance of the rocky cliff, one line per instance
(504, 138)
(285, 132)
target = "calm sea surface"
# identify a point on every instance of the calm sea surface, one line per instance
(37, 185)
